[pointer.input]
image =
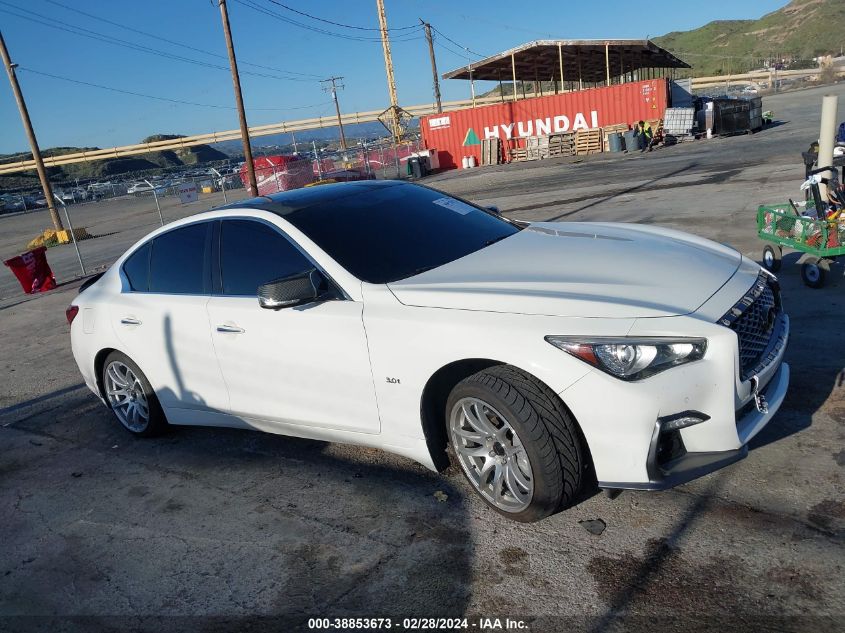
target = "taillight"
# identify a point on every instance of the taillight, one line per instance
(71, 313)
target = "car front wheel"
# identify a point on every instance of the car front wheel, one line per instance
(130, 396)
(516, 443)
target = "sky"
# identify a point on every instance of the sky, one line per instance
(282, 56)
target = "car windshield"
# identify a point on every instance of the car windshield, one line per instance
(390, 233)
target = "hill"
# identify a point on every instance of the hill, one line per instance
(799, 31)
(110, 166)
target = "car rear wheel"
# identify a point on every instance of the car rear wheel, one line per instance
(130, 396)
(516, 443)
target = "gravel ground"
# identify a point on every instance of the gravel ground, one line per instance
(209, 529)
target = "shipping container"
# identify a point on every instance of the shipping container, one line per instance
(278, 173)
(458, 133)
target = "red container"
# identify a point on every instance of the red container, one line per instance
(458, 133)
(33, 271)
(279, 173)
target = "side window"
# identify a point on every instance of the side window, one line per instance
(179, 263)
(252, 253)
(137, 269)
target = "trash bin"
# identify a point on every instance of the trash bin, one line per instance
(415, 167)
(32, 270)
(615, 142)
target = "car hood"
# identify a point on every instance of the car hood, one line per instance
(579, 269)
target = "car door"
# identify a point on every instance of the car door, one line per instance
(308, 365)
(160, 319)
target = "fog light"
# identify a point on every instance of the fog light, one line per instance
(682, 420)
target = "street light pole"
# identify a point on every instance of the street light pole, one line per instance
(239, 99)
(30, 134)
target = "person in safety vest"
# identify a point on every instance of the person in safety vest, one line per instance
(645, 129)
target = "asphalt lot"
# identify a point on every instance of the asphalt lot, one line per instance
(210, 524)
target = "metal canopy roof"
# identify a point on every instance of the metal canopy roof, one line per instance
(582, 59)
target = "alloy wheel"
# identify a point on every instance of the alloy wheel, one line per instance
(491, 454)
(126, 397)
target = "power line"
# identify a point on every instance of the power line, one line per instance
(174, 42)
(358, 38)
(452, 50)
(348, 26)
(77, 30)
(468, 50)
(157, 97)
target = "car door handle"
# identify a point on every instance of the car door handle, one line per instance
(130, 321)
(232, 329)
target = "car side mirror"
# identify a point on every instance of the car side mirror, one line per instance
(493, 209)
(291, 291)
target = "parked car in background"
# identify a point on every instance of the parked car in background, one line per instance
(539, 358)
(76, 194)
(142, 187)
(13, 202)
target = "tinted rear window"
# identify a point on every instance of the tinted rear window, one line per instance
(137, 268)
(252, 253)
(179, 261)
(391, 233)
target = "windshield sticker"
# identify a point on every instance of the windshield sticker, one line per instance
(454, 205)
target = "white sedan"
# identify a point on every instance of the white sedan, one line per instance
(543, 358)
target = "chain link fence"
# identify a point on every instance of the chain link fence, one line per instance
(104, 217)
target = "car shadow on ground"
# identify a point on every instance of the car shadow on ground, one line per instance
(321, 529)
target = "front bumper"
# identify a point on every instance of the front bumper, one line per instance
(694, 465)
(621, 420)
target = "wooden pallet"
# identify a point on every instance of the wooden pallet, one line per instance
(518, 154)
(607, 130)
(542, 147)
(491, 151)
(588, 142)
(657, 129)
(562, 144)
(537, 147)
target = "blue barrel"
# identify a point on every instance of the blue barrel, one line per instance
(614, 142)
(632, 141)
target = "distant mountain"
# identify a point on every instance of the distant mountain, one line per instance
(801, 30)
(110, 166)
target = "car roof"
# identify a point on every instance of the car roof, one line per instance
(286, 202)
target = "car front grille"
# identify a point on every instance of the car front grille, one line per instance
(756, 320)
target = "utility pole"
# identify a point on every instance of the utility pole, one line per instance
(333, 89)
(434, 76)
(388, 67)
(33, 142)
(239, 99)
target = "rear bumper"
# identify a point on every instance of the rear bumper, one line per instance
(694, 465)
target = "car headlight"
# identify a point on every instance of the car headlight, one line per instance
(632, 358)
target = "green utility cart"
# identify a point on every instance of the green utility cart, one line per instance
(786, 227)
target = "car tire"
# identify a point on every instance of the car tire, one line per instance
(130, 397)
(814, 272)
(509, 432)
(772, 258)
